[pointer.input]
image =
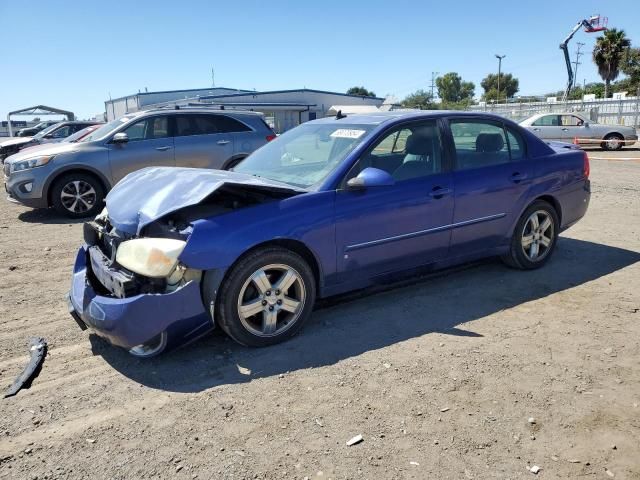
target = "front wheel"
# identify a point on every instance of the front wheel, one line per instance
(77, 195)
(266, 298)
(534, 238)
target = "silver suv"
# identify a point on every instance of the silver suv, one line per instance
(74, 177)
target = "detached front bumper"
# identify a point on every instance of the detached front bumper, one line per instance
(132, 321)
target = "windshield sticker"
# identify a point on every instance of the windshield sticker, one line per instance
(347, 133)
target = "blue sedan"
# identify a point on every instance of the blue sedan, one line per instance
(333, 205)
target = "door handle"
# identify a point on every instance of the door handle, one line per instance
(163, 149)
(536, 129)
(222, 142)
(518, 177)
(565, 129)
(439, 192)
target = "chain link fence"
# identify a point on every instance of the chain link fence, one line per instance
(624, 111)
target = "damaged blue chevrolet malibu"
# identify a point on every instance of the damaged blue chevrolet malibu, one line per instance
(333, 205)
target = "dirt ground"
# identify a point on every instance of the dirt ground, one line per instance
(439, 376)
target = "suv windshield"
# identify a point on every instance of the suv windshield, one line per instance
(305, 155)
(106, 129)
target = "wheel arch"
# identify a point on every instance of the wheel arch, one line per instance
(553, 202)
(234, 160)
(74, 169)
(295, 246)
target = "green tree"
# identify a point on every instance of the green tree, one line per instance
(608, 53)
(451, 88)
(509, 85)
(631, 67)
(419, 99)
(361, 91)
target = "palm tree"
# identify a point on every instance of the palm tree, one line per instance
(607, 55)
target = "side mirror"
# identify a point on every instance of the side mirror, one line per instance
(585, 124)
(370, 177)
(120, 137)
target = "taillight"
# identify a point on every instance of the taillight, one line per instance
(271, 137)
(586, 168)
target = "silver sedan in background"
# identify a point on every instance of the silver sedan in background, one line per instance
(571, 126)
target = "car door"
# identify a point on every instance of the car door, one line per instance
(201, 141)
(491, 175)
(400, 226)
(548, 127)
(149, 145)
(572, 128)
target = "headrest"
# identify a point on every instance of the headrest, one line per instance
(489, 142)
(419, 145)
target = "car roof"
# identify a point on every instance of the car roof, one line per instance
(378, 118)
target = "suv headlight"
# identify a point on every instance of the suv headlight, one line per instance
(30, 163)
(151, 257)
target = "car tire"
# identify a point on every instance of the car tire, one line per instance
(250, 306)
(232, 163)
(90, 190)
(534, 238)
(615, 142)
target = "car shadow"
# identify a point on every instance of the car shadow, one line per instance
(47, 216)
(350, 325)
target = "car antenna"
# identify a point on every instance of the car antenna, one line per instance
(340, 115)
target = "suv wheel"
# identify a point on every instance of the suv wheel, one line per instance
(77, 195)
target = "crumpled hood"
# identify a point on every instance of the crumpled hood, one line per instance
(15, 141)
(151, 193)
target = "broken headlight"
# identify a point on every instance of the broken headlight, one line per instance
(151, 257)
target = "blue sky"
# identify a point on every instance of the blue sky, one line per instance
(73, 55)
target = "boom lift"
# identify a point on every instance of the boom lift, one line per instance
(595, 23)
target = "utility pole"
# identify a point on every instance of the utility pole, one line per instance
(213, 77)
(499, 57)
(577, 62)
(433, 84)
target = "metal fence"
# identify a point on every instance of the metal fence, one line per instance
(625, 111)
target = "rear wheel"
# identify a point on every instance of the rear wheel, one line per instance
(534, 238)
(266, 298)
(77, 195)
(613, 141)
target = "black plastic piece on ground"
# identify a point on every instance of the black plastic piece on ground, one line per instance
(38, 350)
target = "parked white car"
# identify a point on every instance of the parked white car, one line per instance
(576, 128)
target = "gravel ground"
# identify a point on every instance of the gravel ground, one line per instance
(440, 376)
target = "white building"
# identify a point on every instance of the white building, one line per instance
(283, 109)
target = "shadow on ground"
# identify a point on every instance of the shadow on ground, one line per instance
(374, 319)
(47, 216)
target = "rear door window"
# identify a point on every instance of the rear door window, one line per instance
(479, 143)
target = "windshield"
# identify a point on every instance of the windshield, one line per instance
(80, 134)
(42, 133)
(305, 155)
(106, 129)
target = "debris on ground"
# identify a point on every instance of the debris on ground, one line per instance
(609, 472)
(355, 440)
(445, 409)
(531, 420)
(243, 370)
(38, 350)
(535, 469)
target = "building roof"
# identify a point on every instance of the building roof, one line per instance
(247, 93)
(178, 90)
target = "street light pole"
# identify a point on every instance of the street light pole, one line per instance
(499, 57)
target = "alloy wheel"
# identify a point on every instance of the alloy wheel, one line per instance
(271, 300)
(78, 196)
(537, 235)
